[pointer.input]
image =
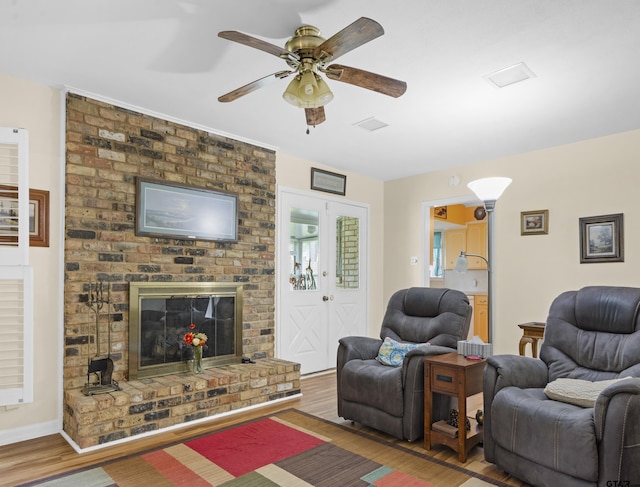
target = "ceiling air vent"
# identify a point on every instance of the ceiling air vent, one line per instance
(508, 76)
(370, 124)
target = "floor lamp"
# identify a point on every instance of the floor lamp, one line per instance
(488, 190)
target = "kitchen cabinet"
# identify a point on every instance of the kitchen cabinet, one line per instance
(472, 240)
(476, 244)
(481, 317)
(455, 241)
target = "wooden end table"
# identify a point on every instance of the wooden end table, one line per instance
(456, 376)
(532, 333)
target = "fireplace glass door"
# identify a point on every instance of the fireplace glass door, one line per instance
(160, 314)
(165, 321)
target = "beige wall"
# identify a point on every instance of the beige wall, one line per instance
(37, 108)
(295, 173)
(595, 177)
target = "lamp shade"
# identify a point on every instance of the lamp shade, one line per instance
(489, 189)
(324, 94)
(307, 90)
(290, 95)
(462, 265)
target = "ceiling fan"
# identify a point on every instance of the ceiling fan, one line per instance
(307, 54)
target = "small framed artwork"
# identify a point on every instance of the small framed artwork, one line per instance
(172, 210)
(440, 212)
(38, 215)
(329, 182)
(534, 222)
(602, 239)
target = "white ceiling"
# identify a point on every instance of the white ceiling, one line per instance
(164, 56)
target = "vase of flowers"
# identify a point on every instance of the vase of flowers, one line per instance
(196, 340)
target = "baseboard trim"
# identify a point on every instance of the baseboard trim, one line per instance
(30, 432)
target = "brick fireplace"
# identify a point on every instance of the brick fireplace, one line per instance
(107, 148)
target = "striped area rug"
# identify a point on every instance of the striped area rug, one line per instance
(290, 448)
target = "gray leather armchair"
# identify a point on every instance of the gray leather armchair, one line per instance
(592, 334)
(391, 399)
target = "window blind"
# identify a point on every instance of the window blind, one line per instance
(16, 277)
(16, 335)
(14, 196)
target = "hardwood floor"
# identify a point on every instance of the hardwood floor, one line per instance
(51, 455)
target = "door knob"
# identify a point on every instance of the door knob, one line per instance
(325, 298)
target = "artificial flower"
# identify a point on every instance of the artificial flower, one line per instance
(194, 338)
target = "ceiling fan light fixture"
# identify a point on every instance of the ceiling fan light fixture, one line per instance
(307, 90)
(306, 54)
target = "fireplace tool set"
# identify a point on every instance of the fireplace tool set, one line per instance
(100, 365)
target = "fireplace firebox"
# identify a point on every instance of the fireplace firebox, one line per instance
(161, 313)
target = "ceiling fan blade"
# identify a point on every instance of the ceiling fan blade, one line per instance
(315, 116)
(365, 79)
(253, 86)
(256, 43)
(358, 33)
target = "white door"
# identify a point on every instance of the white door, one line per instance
(322, 278)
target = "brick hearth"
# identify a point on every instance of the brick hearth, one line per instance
(148, 405)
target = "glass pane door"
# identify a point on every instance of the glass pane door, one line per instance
(347, 252)
(347, 270)
(304, 249)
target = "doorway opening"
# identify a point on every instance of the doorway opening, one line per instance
(451, 226)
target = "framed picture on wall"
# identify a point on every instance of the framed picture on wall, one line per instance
(38, 216)
(440, 212)
(534, 222)
(329, 182)
(602, 239)
(172, 210)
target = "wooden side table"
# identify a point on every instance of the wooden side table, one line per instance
(532, 333)
(453, 375)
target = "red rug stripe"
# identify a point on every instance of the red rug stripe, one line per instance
(173, 470)
(246, 448)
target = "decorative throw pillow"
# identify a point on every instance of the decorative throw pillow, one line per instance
(392, 352)
(577, 391)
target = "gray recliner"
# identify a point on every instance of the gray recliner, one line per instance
(592, 334)
(391, 399)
